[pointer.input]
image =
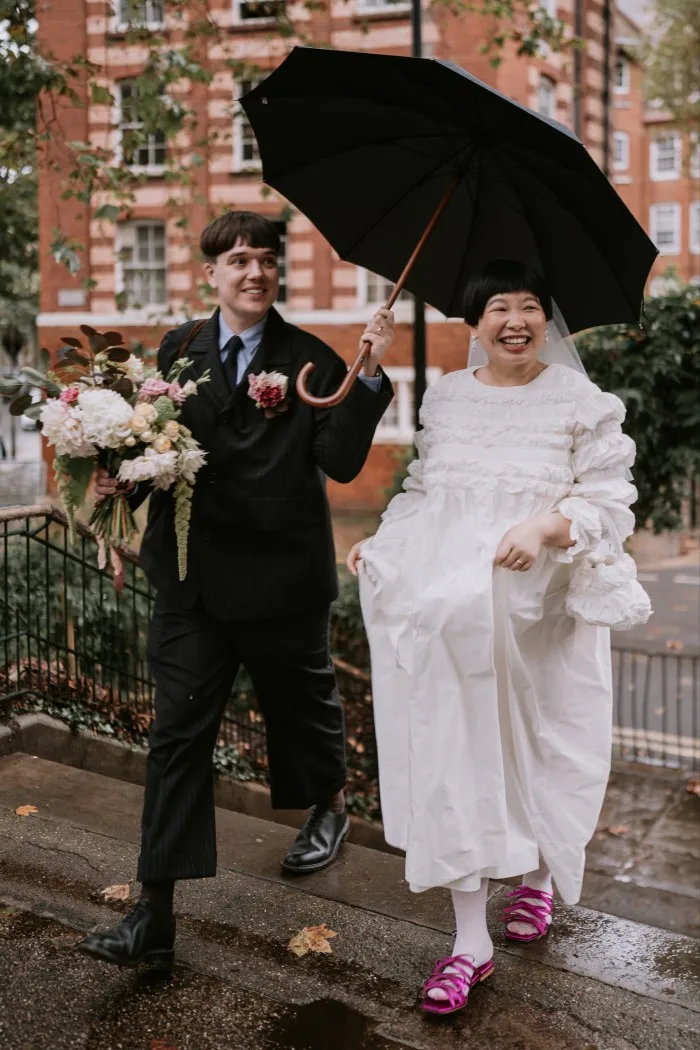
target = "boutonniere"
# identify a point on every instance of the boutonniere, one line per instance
(269, 392)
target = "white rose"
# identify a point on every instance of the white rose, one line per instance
(147, 436)
(138, 424)
(172, 429)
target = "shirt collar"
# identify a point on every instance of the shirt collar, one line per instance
(251, 338)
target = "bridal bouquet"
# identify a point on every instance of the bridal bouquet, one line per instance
(104, 408)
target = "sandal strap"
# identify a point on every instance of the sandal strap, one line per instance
(456, 985)
(523, 910)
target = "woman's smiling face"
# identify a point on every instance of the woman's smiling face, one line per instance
(512, 329)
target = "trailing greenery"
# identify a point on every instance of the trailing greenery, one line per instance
(655, 370)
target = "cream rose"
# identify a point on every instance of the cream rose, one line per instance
(172, 429)
(162, 443)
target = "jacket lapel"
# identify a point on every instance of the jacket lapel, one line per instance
(204, 354)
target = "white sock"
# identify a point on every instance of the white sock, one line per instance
(472, 935)
(541, 879)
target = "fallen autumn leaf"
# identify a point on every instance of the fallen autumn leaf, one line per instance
(24, 811)
(117, 893)
(618, 829)
(312, 939)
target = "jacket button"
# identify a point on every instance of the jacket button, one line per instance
(212, 479)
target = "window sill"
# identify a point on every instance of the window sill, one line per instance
(152, 171)
(390, 13)
(119, 30)
(671, 176)
(252, 25)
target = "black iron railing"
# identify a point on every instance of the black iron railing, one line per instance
(74, 647)
(69, 643)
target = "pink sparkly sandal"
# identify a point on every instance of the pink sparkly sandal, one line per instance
(456, 986)
(538, 916)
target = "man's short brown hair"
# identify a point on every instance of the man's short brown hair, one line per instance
(245, 226)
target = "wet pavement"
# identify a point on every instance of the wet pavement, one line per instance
(598, 983)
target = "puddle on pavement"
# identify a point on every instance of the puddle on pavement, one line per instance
(326, 1025)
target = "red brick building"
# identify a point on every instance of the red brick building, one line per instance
(145, 271)
(656, 168)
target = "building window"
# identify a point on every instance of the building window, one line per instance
(549, 7)
(665, 159)
(137, 150)
(665, 227)
(148, 13)
(282, 263)
(546, 97)
(141, 266)
(373, 7)
(396, 426)
(622, 75)
(621, 150)
(247, 11)
(373, 290)
(694, 232)
(246, 156)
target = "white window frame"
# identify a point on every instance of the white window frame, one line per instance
(382, 7)
(666, 174)
(283, 259)
(654, 212)
(551, 95)
(240, 20)
(126, 232)
(365, 278)
(155, 169)
(622, 139)
(240, 122)
(694, 162)
(123, 25)
(623, 63)
(402, 431)
(694, 228)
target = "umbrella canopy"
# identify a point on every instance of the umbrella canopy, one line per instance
(367, 146)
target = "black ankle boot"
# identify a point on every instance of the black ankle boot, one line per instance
(146, 935)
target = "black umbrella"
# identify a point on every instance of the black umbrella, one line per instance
(376, 148)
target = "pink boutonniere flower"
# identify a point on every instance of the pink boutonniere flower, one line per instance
(269, 392)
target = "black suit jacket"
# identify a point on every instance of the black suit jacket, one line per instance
(261, 543)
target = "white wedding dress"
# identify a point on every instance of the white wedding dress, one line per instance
(493, 707)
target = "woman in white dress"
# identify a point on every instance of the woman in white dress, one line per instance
(492, 705)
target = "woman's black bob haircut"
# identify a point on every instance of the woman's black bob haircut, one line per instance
(497, 277)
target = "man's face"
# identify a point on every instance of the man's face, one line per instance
(247, 280)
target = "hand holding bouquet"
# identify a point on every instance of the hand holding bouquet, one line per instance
(105, 409)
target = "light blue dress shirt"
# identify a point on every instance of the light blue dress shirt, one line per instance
(251, 339)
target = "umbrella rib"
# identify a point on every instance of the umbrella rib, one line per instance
(398, 141)
(582, 226)
(396, 204)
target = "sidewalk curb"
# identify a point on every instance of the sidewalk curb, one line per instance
(39, 734)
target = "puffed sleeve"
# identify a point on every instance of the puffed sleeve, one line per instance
(601, 456)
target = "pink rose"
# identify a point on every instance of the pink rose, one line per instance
(176, 393)
(69, 395)
(153, 388)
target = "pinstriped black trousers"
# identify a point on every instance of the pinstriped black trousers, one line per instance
(195, 659)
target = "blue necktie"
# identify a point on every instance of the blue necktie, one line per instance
(230, 363)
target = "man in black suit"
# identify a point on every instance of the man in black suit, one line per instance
(261, 576)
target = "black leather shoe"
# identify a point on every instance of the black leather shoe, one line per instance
(146, 935)
(317, 844)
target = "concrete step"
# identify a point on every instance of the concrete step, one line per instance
(597, 981)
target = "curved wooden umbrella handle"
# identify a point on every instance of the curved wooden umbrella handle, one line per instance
(344, 388)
